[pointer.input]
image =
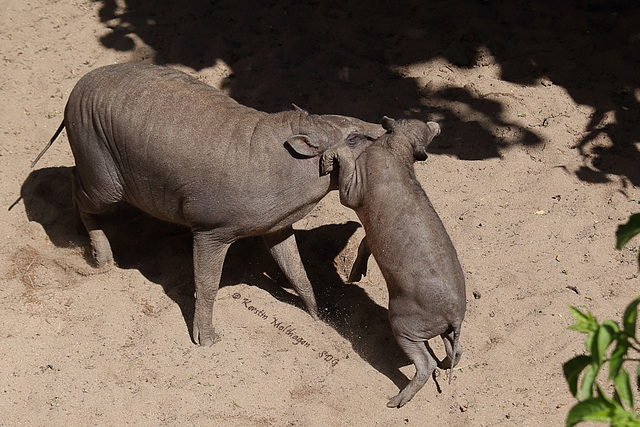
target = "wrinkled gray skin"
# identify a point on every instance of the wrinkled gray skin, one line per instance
(407, 239)
(186, 153)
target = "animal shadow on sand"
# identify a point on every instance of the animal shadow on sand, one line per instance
(350, 57)
(162, 252)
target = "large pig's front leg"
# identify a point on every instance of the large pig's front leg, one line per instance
(208, 258)
(284, 249)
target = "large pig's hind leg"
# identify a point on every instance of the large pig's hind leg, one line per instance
(284, 249)
(208, 258)
(87, 212)
(425, 365)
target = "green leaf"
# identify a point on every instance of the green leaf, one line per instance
(577, 314)
(591, 343)
(612, 326)
(630, 316)
(585, 323)
(602, 395)
(622, 418)
(626, 231)
(617, 357)
(605, 337)
(572, 370)
(623, 386)
(593, 409)
(586, 390)
(616, 397)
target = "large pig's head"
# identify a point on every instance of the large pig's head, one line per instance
(318, 133)
(419, 133)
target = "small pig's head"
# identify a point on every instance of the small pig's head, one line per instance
(418, 133)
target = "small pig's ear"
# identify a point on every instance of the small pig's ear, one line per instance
(304, 146)
(388, 123)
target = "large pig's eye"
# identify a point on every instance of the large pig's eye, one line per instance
(355, 139)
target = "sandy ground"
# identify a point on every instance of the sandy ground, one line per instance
(536, 166)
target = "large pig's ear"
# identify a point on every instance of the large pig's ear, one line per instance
(388, 123)
(304, 145)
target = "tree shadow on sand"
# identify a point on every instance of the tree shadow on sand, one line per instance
(162, 252)
(346, 58)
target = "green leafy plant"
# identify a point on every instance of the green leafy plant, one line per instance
(608, 343)
(627, 231)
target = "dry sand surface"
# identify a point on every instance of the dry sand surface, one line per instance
(536, 166)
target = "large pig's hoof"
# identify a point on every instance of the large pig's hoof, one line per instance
(100, 248)
(206, 337)
(101, 253)
(103, 260)
(100, 259)
(209, 340)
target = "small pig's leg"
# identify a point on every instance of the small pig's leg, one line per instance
(348, 184)
(284, 249)
(208, 258)
(425, 365)
(359, 268)
(454, 352)
(101, 249)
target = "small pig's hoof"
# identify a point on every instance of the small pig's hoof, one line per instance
(326, 165)
(314, 315)
(445, 363)
(397, 401)
(354, 276)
